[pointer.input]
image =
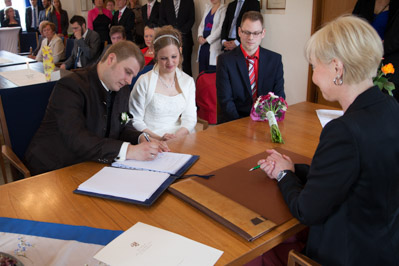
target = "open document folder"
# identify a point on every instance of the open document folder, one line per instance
(144, 244)
(138, 182)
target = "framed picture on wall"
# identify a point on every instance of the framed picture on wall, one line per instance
(275, 4)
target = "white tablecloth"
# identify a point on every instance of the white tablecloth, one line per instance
(9, 39)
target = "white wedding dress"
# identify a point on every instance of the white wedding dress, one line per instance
(162, 114)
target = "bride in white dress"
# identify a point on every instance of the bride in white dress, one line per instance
(162, 101)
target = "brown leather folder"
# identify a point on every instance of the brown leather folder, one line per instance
(248, 203)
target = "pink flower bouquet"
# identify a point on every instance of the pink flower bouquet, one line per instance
(272, 108)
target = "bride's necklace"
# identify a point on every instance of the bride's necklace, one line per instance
(172, 84)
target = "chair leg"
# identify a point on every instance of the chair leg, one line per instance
(3, 169)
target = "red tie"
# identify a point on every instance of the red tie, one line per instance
(119, 15)
(148, 11)
(251, 73)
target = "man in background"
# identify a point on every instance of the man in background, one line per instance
(86, 48)
(247, 71)
(124, 17)
(32, 16)
(181, 15)
(150, 12)
(235, 11)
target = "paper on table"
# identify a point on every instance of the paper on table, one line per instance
(144, 244)
(24, 77)
(326, 116)
(166, 162)
(4, 60)
(129, 184)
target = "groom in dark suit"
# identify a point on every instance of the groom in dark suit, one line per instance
(247, 71)
(85, 120)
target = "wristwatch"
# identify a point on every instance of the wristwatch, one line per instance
(281, 175)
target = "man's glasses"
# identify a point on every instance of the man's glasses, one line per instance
(248, 33)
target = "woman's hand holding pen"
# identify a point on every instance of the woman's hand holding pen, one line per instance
(275, 163)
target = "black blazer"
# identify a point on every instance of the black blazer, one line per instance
(185, 19)
(127, 21)
(74, 125)
(28, 16)
(249, 5)
(349, 194)
(64, 22)
(3, 19)
(90, 47)
(51, 16)
(154, 17)
(233, 86)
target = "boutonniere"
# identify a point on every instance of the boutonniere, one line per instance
(125, 117)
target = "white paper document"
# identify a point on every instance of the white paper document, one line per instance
(144, 244)
(166, 162)
(326, 116)
(24, 77)
(124, 183)
(4, 60)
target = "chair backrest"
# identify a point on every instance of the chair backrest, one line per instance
(206, 97)
(145, 70)
(28, 40)
(24, 109)
(68, 47)
(296, 258)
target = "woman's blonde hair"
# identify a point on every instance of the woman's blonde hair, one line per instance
(353, 41)
(165, 36)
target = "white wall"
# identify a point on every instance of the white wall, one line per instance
(286, 33)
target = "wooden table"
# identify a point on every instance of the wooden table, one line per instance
(14, 58)
(49, 198)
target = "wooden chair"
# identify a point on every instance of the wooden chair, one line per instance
(21, 112)
(297, 258)
(26, 41)
(201, 123)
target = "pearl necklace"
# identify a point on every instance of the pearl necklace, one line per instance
(166, 85)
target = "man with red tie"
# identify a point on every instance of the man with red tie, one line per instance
(247, 71)
(124, 17)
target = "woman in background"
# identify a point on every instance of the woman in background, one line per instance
(348, 196)
(148, 52)
(163, 100)
(62, 18)
(383, 15)
(10, 19)
(110, 5)
(52, 40)
(209, 31)
(99, 19)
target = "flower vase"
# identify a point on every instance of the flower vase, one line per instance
(48, 64)
(274, 130)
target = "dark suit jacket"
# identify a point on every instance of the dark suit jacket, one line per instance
(127, 21)
(28, 17)
(3, 19)
(249, 5)
(232, 81)
(154, 17)
(90, 47)
(51, 16)
(349, 195)
(64, 22)
(73, 128)
(185, 19)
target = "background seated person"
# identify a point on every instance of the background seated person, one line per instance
(83, 117)
(236, 92)
(163, 100)
(52, 40)
(149, 32)
(116, 34)
(10, 19)
(86, 48)
(8, 3)
(348, 196)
